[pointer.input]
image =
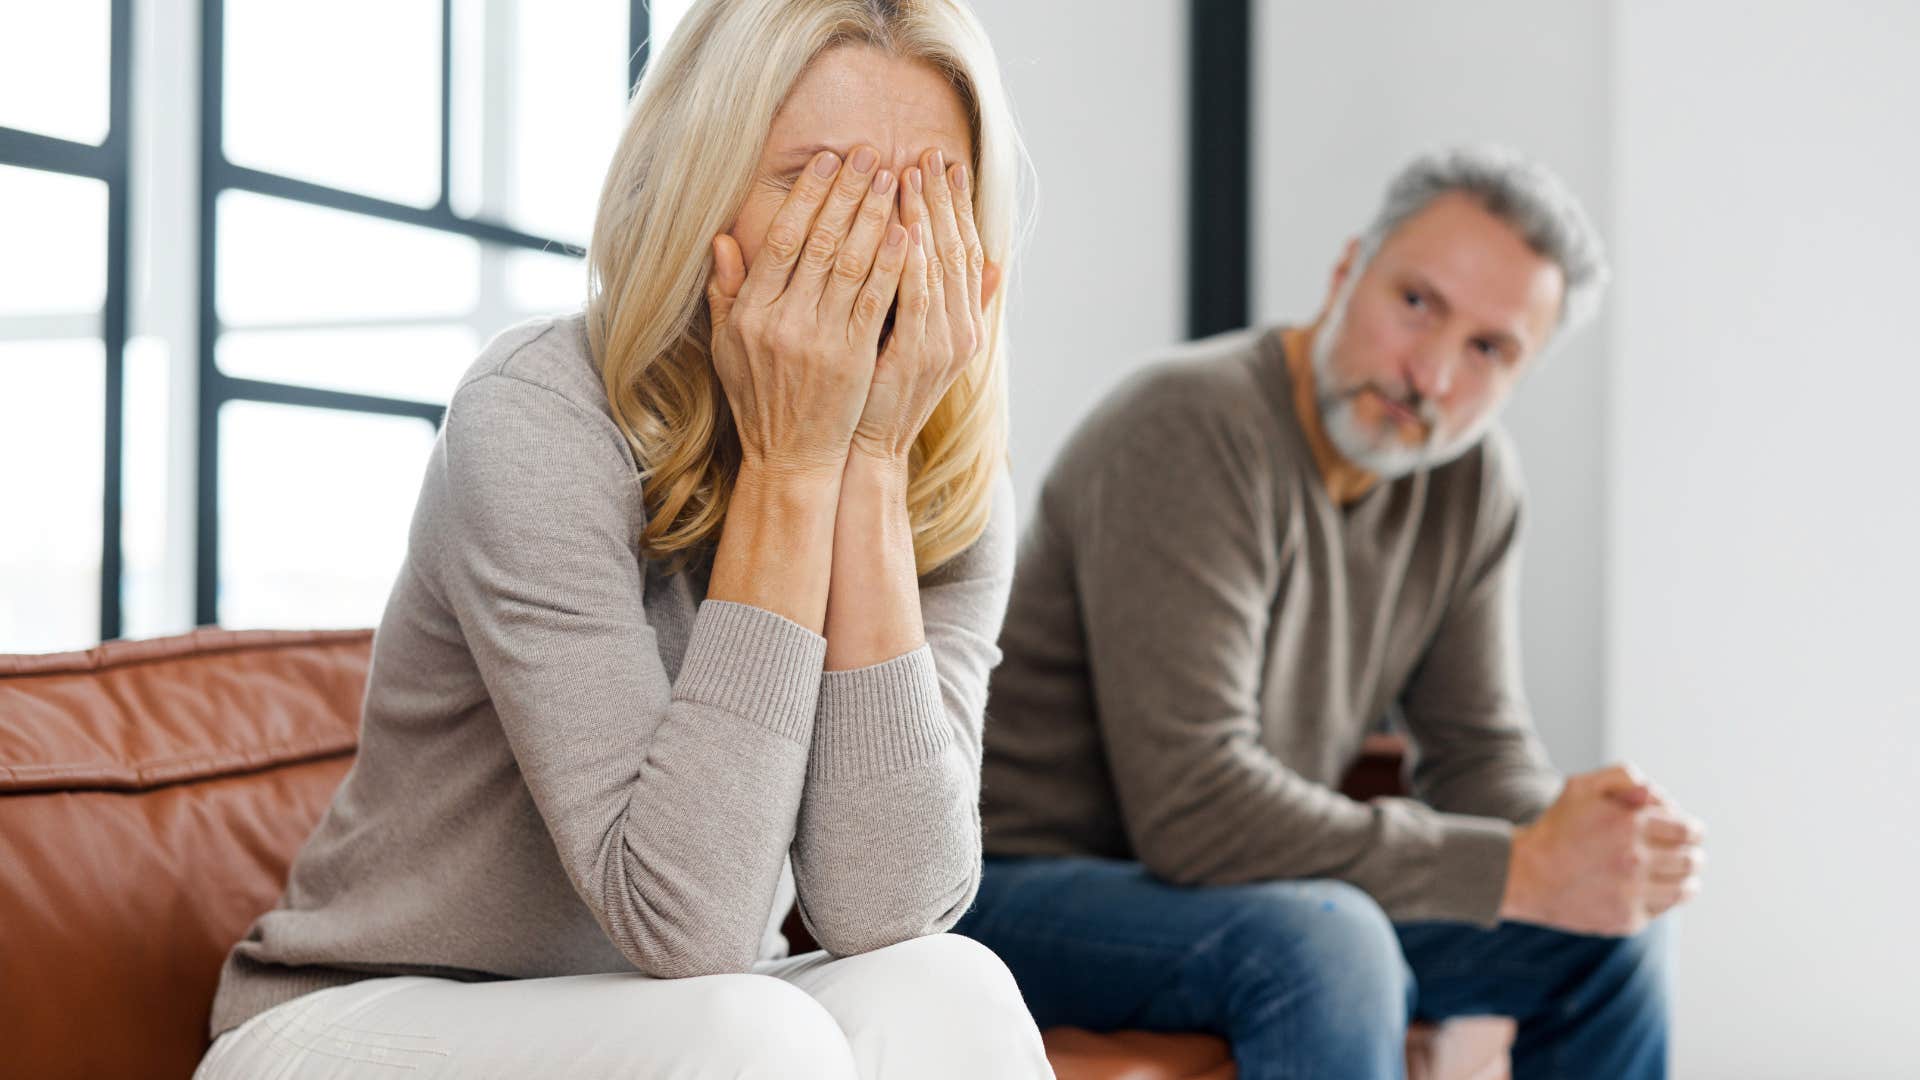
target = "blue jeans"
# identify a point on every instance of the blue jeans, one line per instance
(1310, 978)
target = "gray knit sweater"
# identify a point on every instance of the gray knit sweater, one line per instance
(1199, 639)
(571, 764)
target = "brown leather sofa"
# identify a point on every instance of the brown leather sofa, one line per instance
(152, 794)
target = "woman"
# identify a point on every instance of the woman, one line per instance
(702, 585)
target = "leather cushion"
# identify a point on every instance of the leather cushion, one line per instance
(1077, 1054)
(136, 715)
(152, 796)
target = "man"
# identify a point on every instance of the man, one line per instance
(1241, 563)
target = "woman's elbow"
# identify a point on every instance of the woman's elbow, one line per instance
(841, 938)
(665, 948)
(691, 960)
(843, 941)
(850, 929)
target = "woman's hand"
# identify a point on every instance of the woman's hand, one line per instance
(940, 324)
(794, 338)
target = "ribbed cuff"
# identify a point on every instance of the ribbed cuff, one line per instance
(1470, 875)
(754, 664)
(880, 719)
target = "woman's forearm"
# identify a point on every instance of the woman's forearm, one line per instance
(873, 604)
(887, 845)
(776, 547)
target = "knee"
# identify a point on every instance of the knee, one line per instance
(760, 1027)
(1636, 969)
(951, 980)
(1325, 946)
(946, 1001)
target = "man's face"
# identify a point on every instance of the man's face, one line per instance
(1415, 355)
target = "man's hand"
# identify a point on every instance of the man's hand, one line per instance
(1607, 857)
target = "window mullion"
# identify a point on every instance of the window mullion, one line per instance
(113, 317)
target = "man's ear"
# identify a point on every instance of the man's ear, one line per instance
(1349, 257)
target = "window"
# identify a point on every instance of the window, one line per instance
(377, 187)
(63, 304)
(361, 239)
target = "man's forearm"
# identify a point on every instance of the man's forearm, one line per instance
(1505, 777)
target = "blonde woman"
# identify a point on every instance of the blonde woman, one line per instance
(699, 606)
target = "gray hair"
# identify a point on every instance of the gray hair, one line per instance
(1518, 191)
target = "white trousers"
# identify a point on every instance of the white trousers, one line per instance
(929, 1009)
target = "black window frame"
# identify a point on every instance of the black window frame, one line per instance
(110, 163)
(1219, 165)
(217, 175)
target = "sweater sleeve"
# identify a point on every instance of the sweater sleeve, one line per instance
(888, 846)
(671, 803)
(1176, 564)
(1475, 749)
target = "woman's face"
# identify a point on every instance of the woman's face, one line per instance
(852, 99)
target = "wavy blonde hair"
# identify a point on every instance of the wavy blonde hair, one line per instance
(684, 165)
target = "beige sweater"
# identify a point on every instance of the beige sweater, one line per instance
(571, 764)
(1199, 639)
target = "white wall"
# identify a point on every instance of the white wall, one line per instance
(1767, 515)
(1344, 94)
(1721, 577)
(162, 361)
(1100, 89)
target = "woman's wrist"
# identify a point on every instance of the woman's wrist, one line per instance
(889, 472)
(788, 481)
(875, 610)
(776, 546)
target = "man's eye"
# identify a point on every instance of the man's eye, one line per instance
(1412, 298)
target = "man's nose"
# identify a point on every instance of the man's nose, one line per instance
(1430, 370)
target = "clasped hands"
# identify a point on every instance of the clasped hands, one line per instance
(1609, 856)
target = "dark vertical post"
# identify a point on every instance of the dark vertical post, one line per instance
(113, 316)
(639, 26)
(1219, 163)
(446, 104)
(446, 117)
(206, 581)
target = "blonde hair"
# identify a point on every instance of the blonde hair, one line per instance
(693, 140)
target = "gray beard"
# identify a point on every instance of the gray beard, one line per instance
(1378, 451)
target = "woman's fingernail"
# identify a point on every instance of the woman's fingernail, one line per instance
(864, 159)
(896, 236)
(960, 177)
(882, 182)
(826, 164)
(939, 162)
(913, 179)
